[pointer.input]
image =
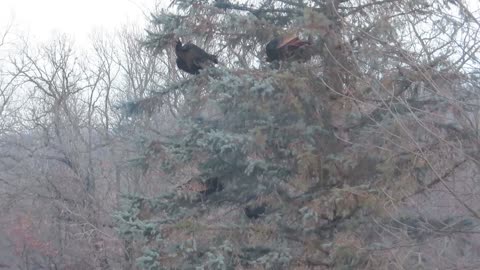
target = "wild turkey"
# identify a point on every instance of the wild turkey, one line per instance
(254, 212)
(212, 185)
(191, 58)
(287, 48)
(183, 66)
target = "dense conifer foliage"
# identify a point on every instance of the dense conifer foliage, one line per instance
(335, 153)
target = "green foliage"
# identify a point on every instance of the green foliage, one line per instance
(300, 138)
(148, 261)
(274, 260)
(129, 226)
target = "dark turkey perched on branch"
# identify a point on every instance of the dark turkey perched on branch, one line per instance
(288, 48)
(183, 66)
(254, 212)
(191, 58)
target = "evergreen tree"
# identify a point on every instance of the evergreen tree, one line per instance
(293, 165)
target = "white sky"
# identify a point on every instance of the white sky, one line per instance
(41, 19)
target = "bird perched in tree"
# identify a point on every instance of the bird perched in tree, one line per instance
(287, 47)
(254, 212)
(183, 66)
(212, 185)
(191, 58)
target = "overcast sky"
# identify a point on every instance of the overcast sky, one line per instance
(77, 18)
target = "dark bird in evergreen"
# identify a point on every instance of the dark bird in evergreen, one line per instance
(254, 212)
(183, 66)
(286, 48)
(191, 58)
(212, 185)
